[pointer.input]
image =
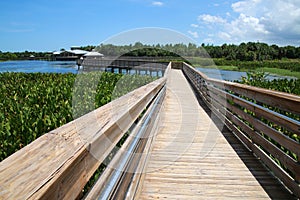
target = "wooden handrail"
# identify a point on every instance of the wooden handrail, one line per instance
(249, 112)
(58, 164)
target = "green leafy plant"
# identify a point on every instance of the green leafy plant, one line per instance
(258, 79)
(32, 104)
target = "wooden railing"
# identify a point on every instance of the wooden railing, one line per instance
(123, 65)
(59, 164)
(266, 121)
(138, 63)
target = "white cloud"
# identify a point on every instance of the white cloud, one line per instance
(224, 36)
(194, 34)
(194, 25)
(211, 19)
(157, 3)
(245, 6)
(273, 21)
(248, 24)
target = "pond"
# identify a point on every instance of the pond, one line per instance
(32, 66)
(29, 66)
(232, 75)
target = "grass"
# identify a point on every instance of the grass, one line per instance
(281, 72)
(283, 67)
(275, 71)
(228, 68)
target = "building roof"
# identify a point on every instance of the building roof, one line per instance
(57, 52)
(77, 51)
(93, 53)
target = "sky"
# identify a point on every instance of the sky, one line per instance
(49, 25)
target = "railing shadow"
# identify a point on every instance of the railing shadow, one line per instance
(271, 185)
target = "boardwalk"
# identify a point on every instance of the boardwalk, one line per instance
(192, 159)
(186, 155)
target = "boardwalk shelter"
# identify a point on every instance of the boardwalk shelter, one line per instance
(68, 55)
(93, 55)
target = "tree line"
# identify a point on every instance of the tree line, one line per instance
(23, 55)
(251, 51)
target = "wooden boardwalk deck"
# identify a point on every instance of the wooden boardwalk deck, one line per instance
(191, 159)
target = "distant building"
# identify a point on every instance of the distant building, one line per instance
(89, 56)
(75, 53)
(93, 54)
(31, 57)
(56, 53)
(68, 55)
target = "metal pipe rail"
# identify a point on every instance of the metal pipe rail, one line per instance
(258, 118)
(117, 180)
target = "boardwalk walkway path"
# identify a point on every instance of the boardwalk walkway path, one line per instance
(191, 159)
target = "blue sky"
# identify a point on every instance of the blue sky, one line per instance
(48, 25)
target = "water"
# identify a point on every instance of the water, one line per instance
(29, 66)
(232, 75)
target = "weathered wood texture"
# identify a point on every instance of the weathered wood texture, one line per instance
(58, 164)
(192, 159)
(258, 118)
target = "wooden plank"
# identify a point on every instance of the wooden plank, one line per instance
(240, 135)
(276, 135)
(282, 175)
(286, 160)
(271, 148)
(284, 101)
(284, 140)
(289, 162)
(260, 111)
(270, 115)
